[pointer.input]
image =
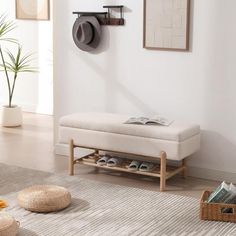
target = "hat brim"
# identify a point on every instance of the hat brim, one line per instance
(97, 33)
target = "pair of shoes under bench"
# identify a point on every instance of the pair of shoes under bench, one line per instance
(138, 166)
(109, 161)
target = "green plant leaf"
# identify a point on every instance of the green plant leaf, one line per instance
(19, 63)
(6, 26)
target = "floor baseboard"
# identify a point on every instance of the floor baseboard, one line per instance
(210, 174)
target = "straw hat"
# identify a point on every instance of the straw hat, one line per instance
(87, 33)
(44, 198)
(8, 225)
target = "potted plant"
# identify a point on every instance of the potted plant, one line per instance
(16, 64)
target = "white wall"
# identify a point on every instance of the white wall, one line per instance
(198, 86)
(34, 92)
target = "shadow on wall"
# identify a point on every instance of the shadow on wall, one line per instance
(105, 37)
(114, 87)
(216, 151)
(110, 73)
(104, 43)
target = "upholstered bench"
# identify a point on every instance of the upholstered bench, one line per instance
(107, 132)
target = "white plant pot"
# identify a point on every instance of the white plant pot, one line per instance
(11, 116)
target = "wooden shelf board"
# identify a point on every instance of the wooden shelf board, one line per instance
(122, 169)
(171, 171)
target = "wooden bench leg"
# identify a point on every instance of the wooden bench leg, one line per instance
(184, 173)
(163, 171)
(71, 160)
(96, 154)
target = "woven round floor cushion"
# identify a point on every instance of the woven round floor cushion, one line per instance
(44, 198)
(8, 225)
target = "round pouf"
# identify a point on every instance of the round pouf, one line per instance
(44, 198)
(8, 225)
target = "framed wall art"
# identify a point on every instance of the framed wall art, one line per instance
(166, 24)
(33, 9)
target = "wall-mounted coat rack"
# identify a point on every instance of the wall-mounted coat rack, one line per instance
(105, 18)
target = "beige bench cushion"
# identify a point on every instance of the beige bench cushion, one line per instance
(114, 123)
(108, 132)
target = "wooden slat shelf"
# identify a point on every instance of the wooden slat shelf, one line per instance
(162, 170)
(91, 161)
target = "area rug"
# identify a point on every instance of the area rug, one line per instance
(106, 209)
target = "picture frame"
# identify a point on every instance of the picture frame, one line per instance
(32, 9)
(166, 25)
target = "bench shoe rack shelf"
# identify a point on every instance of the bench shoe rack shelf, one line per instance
(161, 171)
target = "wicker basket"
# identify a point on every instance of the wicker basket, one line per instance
(214, 211)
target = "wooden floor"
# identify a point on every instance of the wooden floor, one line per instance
(31, 146)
